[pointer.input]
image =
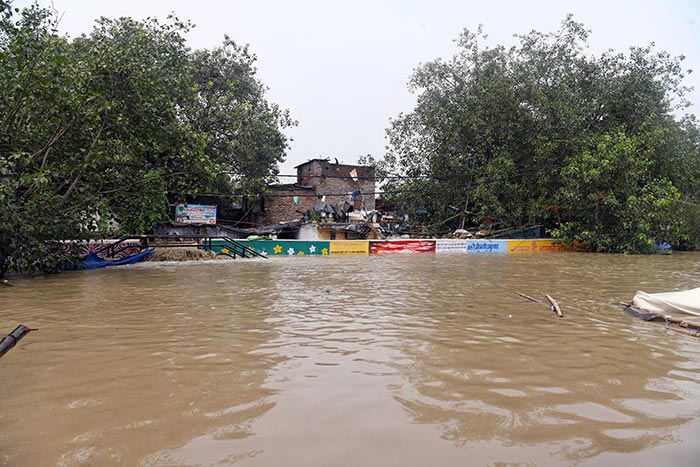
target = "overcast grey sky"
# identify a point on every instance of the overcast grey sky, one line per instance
(341, 68)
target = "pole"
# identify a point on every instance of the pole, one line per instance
(12, 338)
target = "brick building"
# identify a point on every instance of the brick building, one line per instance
(319, 181)
(286, 203)
(339, 182)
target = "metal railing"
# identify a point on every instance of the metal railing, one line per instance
(229, 246)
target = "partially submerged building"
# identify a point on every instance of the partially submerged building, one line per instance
(333, 201)
(320, 182)
(327, 202)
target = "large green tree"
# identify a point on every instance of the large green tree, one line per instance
(230, 109)
(544, 133)
(115, 125)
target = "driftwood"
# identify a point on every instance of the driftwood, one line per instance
(682, 330)
(527, 297)
(555, 306)
(682, 322)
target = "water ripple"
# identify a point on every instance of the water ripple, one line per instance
(419, 359)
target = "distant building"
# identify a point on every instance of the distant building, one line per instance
(339, 182)
(286, 203)
(319, 181)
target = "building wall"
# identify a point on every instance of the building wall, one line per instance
(281, 208)
(331, 234)
(308, 232)
(334, 181)
(315, 179)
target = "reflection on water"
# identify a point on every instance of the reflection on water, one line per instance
(406, 360)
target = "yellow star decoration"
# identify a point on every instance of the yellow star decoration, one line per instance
(324, 251)
(301, 253)
(224, 251)
(278, 249)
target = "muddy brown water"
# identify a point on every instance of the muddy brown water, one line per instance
(406, 360)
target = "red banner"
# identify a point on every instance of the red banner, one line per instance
(402, 246)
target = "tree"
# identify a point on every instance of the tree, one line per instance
(242, 129)
(537, 133)
(616, 201)
(118, 124)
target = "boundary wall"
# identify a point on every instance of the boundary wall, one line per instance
(383, 247)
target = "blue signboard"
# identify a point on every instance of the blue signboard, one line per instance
(195, 214)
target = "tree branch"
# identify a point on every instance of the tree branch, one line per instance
(86, 159)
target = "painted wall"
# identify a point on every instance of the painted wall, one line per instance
(288, 247)
(365, 247)
(126, 248)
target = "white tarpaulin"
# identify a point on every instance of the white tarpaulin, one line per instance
(685, 301)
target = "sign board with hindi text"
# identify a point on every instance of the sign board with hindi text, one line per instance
(487, 246)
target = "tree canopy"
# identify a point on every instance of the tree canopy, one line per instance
(118, 123)
(543, 133)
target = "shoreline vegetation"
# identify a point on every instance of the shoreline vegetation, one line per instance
(107, 131)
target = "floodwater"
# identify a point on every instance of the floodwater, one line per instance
(406, 360)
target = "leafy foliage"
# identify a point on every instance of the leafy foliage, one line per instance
(117, 124)
(241, 127)
(541, 133)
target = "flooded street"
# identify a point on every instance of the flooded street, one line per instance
(404, 360)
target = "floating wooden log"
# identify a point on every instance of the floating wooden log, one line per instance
(686, 331)
(682, 322)
(555, 306)
(527, 297)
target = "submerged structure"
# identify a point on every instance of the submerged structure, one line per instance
(684, 302)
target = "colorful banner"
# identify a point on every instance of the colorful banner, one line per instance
(487, 246)
(450, 246)
(535, 246)
(349, 248)
(402, 246)
(364, 247)
(195, 214)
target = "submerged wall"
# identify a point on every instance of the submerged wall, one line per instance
(382, 247)
(355, 247)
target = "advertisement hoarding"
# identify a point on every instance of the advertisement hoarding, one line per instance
(195, 214)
